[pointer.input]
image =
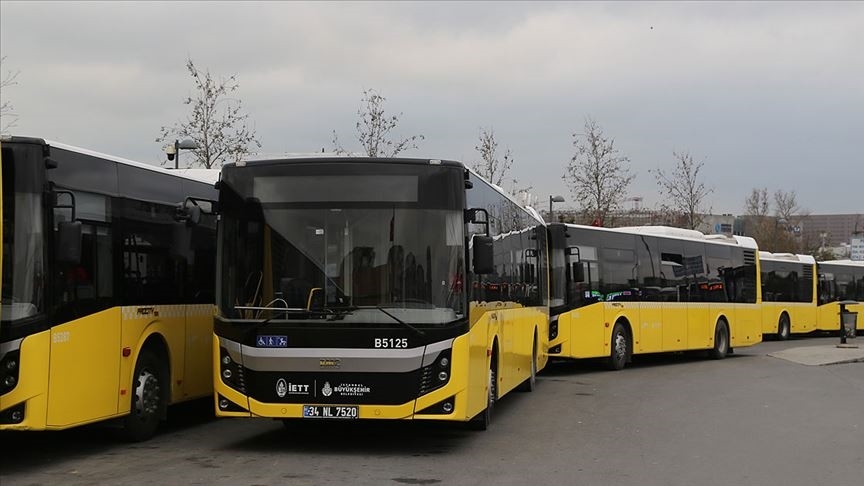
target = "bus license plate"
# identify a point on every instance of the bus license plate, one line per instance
(330, 411)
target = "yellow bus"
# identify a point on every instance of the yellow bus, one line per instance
(366, 288)
(801, 295)
(788, 294)
(839, 281)
(617, 292)
(107, 300)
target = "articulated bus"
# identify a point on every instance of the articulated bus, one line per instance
(367, 288)
(788, 294)
(107, 300)
(617, 292)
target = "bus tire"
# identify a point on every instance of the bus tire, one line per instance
(530, 383)
(784, 328)
(149, 398)
(619, 351)
(484, 418)
(721, 341)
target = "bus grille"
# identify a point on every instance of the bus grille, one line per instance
(241, 379)
(427, 381)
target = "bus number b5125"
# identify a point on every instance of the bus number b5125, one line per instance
(399, 343)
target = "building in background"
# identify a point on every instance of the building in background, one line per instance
(856, 249)
(832, 230)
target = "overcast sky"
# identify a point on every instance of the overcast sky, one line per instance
(766, 94)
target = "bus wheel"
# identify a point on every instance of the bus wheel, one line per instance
(148, 398)
(620, 351)
(721, 341)
(484, 418)
(530, 383)
(784, 328)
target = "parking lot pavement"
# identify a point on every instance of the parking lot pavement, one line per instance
(824, 354)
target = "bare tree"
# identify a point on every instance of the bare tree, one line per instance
(685, 193)
(8, 118)
(492, 167)
(788, 216)
(814, 245)
(787, 204)
(598, 174)
(373, 129)
(217, 123)
(522, 193)
(775, 231)
(757, 209)
(757, 203)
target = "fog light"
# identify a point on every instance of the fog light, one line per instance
(444, 362)
(17, 416)
(226, 374)
(442, 376)
(223, 404)
(11, 364)
(448, 407)
(226, 360)
(9, 381)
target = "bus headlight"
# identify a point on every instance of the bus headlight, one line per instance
(553, 328)
(9, 371)
(436, 374)
(231, 372)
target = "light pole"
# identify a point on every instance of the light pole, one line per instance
(551, 200)
(173, 150)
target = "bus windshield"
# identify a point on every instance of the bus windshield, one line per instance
(23, 239)
(355, 253)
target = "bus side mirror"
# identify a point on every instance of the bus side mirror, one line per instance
(578, 271)
(57, 201)
(194, 216)
(69, 242)
(482, 256)
(472, 216)
(190, 210)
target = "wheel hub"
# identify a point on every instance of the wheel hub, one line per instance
(147, 394)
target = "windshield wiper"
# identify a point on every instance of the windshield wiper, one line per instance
(339, 312)
(400, 321)
(281, 310)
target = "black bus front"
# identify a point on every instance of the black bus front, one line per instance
(340, 289)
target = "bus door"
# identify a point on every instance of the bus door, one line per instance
(697, 294)
(85, 345)
(675, 293)
(199, 350)
(194, 247)
(649, 332)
